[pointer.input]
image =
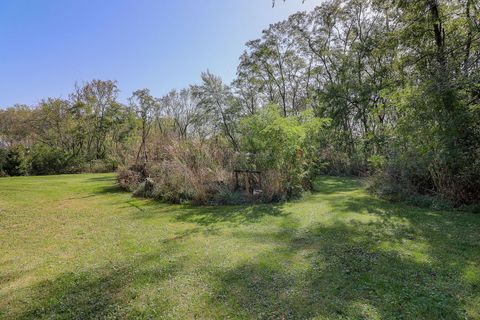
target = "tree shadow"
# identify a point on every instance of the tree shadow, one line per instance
(113, 189)
(102, 178)
(347, 276)
(103, 292)
(110, 187)
(401, 263)
(206, 216)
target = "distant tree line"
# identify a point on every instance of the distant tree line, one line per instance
(67, 135)
(387, 89)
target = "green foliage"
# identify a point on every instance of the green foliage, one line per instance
(3, 161)
(376, 162)
(283, 147)
(90, 127)
(16, 161)
(274, 139)
(45, 160)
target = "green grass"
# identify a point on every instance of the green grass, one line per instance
(75, 246)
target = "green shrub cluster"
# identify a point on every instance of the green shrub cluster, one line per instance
(44, 160)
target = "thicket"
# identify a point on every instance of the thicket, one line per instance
(202, 170)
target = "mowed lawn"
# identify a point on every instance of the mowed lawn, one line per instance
(76, 247)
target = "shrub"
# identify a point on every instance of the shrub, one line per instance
(224, 195)
(284, 149)
(3, 161)
(191, 171)
(45, 160)
(376, 163)
(145, 189)
(100, 166)
(16, 162)
(128, 179)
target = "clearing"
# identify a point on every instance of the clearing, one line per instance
(75, 246)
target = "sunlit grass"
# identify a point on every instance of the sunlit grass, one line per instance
(77, 247)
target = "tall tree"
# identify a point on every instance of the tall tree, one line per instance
(144, 105)
(218, 105)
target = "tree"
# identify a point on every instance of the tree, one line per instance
(277, 66)
(218, 105)
(15, 126)
(182, 107)
(96, 103)
(144, 105)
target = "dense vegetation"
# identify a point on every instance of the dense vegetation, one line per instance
(89, 131)
(77, 247)
(388, 89)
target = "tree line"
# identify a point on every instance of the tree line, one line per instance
(390, 90)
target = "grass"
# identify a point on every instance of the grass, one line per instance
(76, 247)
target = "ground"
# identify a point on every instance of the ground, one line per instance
(76, 247)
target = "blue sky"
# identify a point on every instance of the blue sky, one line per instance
(46, 46)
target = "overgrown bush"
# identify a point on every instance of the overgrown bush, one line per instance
(284, 149)
(422, 183)
(183, 171)
(281, 149)
(128, 179)
(191, 171)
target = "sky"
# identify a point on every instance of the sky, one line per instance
(48, 46)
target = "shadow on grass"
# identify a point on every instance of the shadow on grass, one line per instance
(254, 213)
(111, 189)
(102, 178)
(108, 185)
(206, 216)
(403, 263)
(341, 271)
(104, 292)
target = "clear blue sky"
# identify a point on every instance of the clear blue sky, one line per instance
(48, 45)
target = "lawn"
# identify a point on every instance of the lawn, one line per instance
(76, 247)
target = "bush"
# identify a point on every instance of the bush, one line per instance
(3, 161)
(16, 162)
(226, 196)
(191, 171)
(394, 187)
(383, 186)
(376, 163)
(284, 149)
(145, 189)
(100, 166)
(181, 171)
(45, 160)
(128, 179)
